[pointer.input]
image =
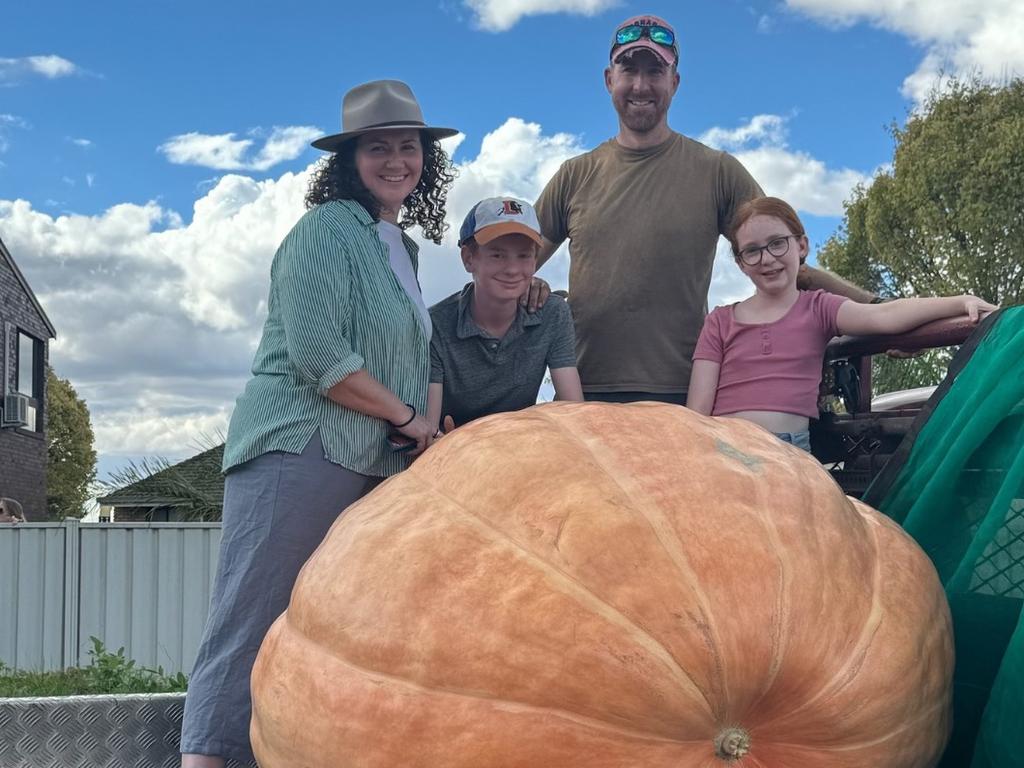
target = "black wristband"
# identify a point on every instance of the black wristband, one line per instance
(408, 421)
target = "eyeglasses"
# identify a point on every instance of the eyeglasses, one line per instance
(777, 247)
(656, 33)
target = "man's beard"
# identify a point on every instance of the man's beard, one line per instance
(640, 121)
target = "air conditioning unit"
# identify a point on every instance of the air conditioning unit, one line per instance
(15, 411)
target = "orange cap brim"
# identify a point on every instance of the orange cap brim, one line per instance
(485, 235)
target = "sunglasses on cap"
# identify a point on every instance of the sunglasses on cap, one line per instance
(653, 32)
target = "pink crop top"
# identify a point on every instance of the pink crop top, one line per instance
(770, 366)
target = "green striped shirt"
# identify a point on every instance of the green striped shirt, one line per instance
(335, 307)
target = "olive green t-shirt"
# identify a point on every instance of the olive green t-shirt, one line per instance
(642, 227)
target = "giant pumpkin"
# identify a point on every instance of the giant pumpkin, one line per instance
(608, 586)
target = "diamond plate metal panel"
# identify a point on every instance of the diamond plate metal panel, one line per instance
(129, 731)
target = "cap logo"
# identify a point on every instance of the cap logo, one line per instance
(510, 208)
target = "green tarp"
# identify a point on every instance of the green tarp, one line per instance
(956, 484)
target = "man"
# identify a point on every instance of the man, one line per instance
(643, 213)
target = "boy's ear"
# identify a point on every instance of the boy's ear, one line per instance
(467, 257)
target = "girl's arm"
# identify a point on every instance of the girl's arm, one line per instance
(704, 386)
(904, 314)
(567, 384)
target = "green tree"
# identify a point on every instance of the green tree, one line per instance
(947, 217)
(71, 458)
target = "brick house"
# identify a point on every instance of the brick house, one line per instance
(25, 332)
(190, 490)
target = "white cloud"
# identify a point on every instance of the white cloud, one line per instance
(80, 142)
(156, 321)
(502, 15)
(51, 66)
(226, 152)
(960, 37)
(802, 180)
(8, 121)
(13, 71)
(761, 129)
(90, 179)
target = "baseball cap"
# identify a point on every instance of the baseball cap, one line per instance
(497, 216)
(655, 34)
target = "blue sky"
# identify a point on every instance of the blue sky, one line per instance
(152, 155)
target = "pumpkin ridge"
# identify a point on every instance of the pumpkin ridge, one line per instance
(510, 704)
(677, 554)
(846, 749)
(576, 588)
(904, 726)
(782, 601)
(846, 672)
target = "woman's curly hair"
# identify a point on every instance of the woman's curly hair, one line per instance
(336, 178)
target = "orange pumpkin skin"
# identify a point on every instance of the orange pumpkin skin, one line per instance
(584, 585)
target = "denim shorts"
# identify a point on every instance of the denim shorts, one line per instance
(799, 439)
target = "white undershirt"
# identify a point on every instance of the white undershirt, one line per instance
(391, 235)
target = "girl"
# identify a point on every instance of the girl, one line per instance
(760, 359)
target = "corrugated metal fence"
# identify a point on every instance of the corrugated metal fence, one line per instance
(143, 586)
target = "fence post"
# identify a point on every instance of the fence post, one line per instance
(72, 551)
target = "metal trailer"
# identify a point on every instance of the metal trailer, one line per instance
(115, 731)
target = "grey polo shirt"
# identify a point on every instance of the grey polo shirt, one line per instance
(483, 375)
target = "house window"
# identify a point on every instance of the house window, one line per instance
(30, 378)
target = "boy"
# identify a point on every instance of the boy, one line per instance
(487, 354)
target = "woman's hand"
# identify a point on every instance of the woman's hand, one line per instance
(418, 429)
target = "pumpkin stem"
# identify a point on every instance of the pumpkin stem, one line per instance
(732, 744)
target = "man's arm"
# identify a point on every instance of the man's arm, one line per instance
(812, 279)
(547, 250)
(538, 290)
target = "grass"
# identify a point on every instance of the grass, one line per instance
(107, 673)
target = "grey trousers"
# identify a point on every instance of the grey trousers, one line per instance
(277, 509)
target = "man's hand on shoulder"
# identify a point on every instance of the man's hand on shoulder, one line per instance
(535, 297)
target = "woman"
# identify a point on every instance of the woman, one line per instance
(339, 380)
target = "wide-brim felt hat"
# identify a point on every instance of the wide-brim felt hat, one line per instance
(379, 105)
